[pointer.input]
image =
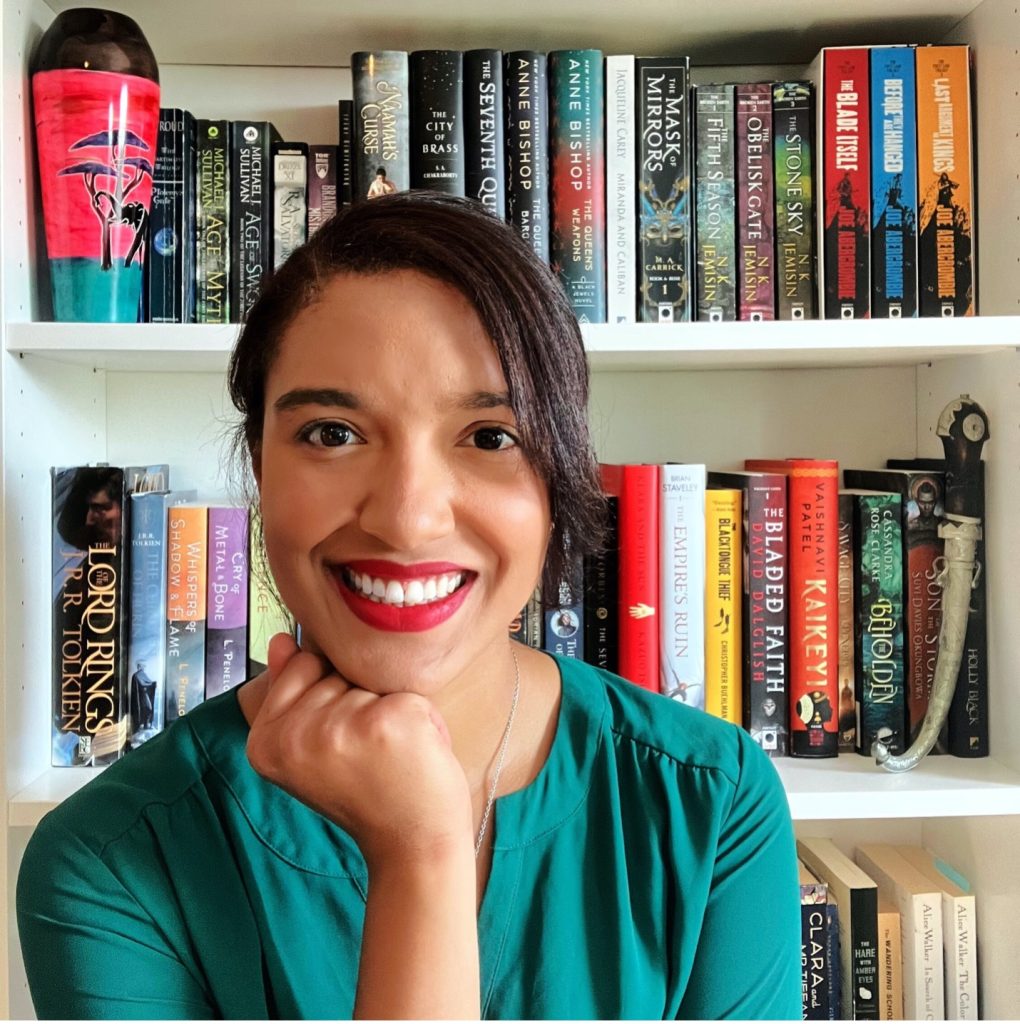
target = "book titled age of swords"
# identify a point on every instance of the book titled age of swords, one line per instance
(437, 121)
(756, 297)
(381, 123)
(212, 223)
(484, 166)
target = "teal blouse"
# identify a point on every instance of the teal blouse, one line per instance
(647, 872)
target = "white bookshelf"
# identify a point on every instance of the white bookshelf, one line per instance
(859, 392)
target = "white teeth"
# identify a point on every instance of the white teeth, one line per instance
(414, 592)
(378, 589)
(442, 587)
(430, 589)
(366, 585)
(404, 594)
(394, 593)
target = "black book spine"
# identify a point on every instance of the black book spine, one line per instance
(484, 168)
(527, 147)
(601, 572)
(171, 249)
(345, 155)
(437, 120)
(212, 223)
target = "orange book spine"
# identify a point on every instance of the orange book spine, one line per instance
(186, 608)
(723, 588)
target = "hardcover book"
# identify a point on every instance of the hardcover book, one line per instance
(663, 189)
(345, 154)
(814, 967)
(185, 609)
(212, 223)
(756, 291)
(563, 631)
(577, 245)
(484, 147)
(847, 626)
(893, 183)
(267, 614)
(226, 642)
(527, 147)
(621, 208)
(381, 123)
(723, 662)
(437, 121)
(322, 186)
(715, 253)
(792, 134)
(601, 622)
(290, 198)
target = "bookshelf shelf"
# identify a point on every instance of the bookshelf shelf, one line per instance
(777, 345)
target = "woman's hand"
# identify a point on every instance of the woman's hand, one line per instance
(381, 767)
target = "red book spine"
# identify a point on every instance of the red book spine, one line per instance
(813, 547)
(637, 491)
(846, 183)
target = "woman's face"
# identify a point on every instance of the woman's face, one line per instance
(404, 526)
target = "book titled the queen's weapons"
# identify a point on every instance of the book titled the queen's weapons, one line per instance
(946, 248)
(290, 198)
(577, 246)
(756, 272)
(793, 150)
(437, 121)
(893, 183)
(322, 186)
(226, 641)
(715, 253)
(527, 147)
(382, 142)
(663, 189)
(212, 223)
(484, 165)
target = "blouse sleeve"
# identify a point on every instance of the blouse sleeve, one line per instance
(91, 950)
(747, 964)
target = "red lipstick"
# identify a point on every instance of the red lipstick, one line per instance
(397, 571)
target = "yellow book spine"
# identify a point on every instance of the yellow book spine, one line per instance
(723, 588)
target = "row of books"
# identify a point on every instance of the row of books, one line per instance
(158, 603)
(889, 934)
(807, 615)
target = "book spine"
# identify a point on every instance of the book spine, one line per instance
(621, 216)
(846, 188)
(878, 572)
(715, 255)
(756, 285)
(723, 686)
(527, 148)
(322, 186)
(847, 626)
(382, 138)
(663, 186)
(185, 609)
(212, 223)
(484, 147)
(266, 613)
(437, 121)
(893, 183)
(946, 244)
(527, 627)
(959, 936)
(563, 631)
(290, 198)
(250, 213)
(863, 959)
(832, 953)
(345, 154)
(890, 966)
(682, 582)
(226, 643)
(814, 967)
(171, 252)
(577, 187)
(792, 133)
(601, 626)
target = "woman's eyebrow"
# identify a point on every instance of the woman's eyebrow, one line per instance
(298, 397)
(485, 400)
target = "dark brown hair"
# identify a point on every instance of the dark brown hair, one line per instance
(520, 304)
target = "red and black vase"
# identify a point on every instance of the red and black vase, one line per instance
(95, 86)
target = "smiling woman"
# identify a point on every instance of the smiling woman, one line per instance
(411, 815)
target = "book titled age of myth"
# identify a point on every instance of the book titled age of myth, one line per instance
(621, 206)
(756, 299)
(382, 139)
(212, 223)
(290, 198)
(577, 187)
(484, 165)
(663, 189)
(322, 186)
(437, 120)
(793, 151)
(723, 571)
(893, 183)
(946, 247)
(226, 641)
(715, 254)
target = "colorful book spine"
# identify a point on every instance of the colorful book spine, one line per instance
(267, 615)
(813, 965)
(792, 134)
(251, 212)
(437, 121)
(878, 597)
(226, 642)
(637, 488)
(682, 556)
(893, 183)
(322, 186)
(601, 582)
(185, 609)
(715, 254)
(812, 495)
(382, 139)
(577, 186)
(527, 147)
(946, 247)
(171, 252)
(723, 684)
(345, 163)
(290, 198)
(621, 215)
(484, 147)
(563, 626)
(663, 189)
(764, 610)
(212, 223)
(755, 185)
(847, 626)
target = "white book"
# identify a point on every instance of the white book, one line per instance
(621, 211)
(682, 582)
(959, 933)
(920, 905)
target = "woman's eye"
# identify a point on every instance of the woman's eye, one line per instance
(329, 435)
(493, 439)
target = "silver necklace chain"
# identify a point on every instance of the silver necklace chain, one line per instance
(502, 752)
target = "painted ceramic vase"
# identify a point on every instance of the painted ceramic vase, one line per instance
(95, 87)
